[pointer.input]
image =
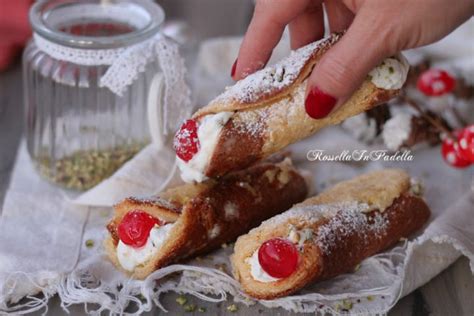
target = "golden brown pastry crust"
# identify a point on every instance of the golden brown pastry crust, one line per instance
(268, 119)
(214, 212)
(338, 244)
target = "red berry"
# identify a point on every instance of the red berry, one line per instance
(451, 155)
(278, 257)
(186, 141)
(435, 82)
(465, 144)
(135, 228)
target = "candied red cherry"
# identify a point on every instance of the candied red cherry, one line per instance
(135, 228)
(451, 155)
(465, 144)
(186, 141)
(435, 82)
(278, 257)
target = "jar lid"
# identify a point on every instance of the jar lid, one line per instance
(96, 24)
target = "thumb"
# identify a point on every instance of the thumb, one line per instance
(345, 66)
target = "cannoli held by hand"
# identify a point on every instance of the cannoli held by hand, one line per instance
(265, 112)
(147, 234)
(328, 235)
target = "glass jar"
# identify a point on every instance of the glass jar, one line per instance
(83, 118)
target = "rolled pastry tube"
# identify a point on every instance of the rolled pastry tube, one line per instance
(329, 234)
(193, 219)
(265, 112)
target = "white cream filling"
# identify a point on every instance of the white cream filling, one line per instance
(130, 257)
(397, 130)
(390, 74)
(208, 134)
(256, 270)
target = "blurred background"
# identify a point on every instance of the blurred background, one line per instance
(190, 21)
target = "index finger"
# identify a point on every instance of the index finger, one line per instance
(264, 32)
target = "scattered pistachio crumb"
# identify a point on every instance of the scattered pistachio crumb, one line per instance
(346, 305)
(222, 267)
(181, 300)
(189, 308)
(232, 308)
(202, 309)
(357, 267)
(370, 298)
(391, 70)
(417, 187)
(89, 243)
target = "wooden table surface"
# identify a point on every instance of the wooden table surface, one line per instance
(449, 294)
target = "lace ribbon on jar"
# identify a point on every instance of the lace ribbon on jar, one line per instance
(125, 64)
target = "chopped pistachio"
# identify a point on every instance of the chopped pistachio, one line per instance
(189, 308)
(416, 187)
(232, 308)
(181, 300)
(370, 298)
(391, 70)
(202, 309)
(346, 305)
(357, 267)
(89, 243)
(84, 169)
(222, 267)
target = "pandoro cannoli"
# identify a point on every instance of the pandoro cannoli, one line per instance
(147, 234)
(265, 112)
(329, 234)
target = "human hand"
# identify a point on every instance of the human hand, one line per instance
(376, 29)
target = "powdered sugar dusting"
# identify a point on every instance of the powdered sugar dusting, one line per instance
(251, 122)
(309, 214)
(348, 222)
(273, 78)
(345, 218)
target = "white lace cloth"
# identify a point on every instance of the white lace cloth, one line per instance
(43, 239)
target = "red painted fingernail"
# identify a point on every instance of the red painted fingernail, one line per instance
(319, 104)
(232, 72)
